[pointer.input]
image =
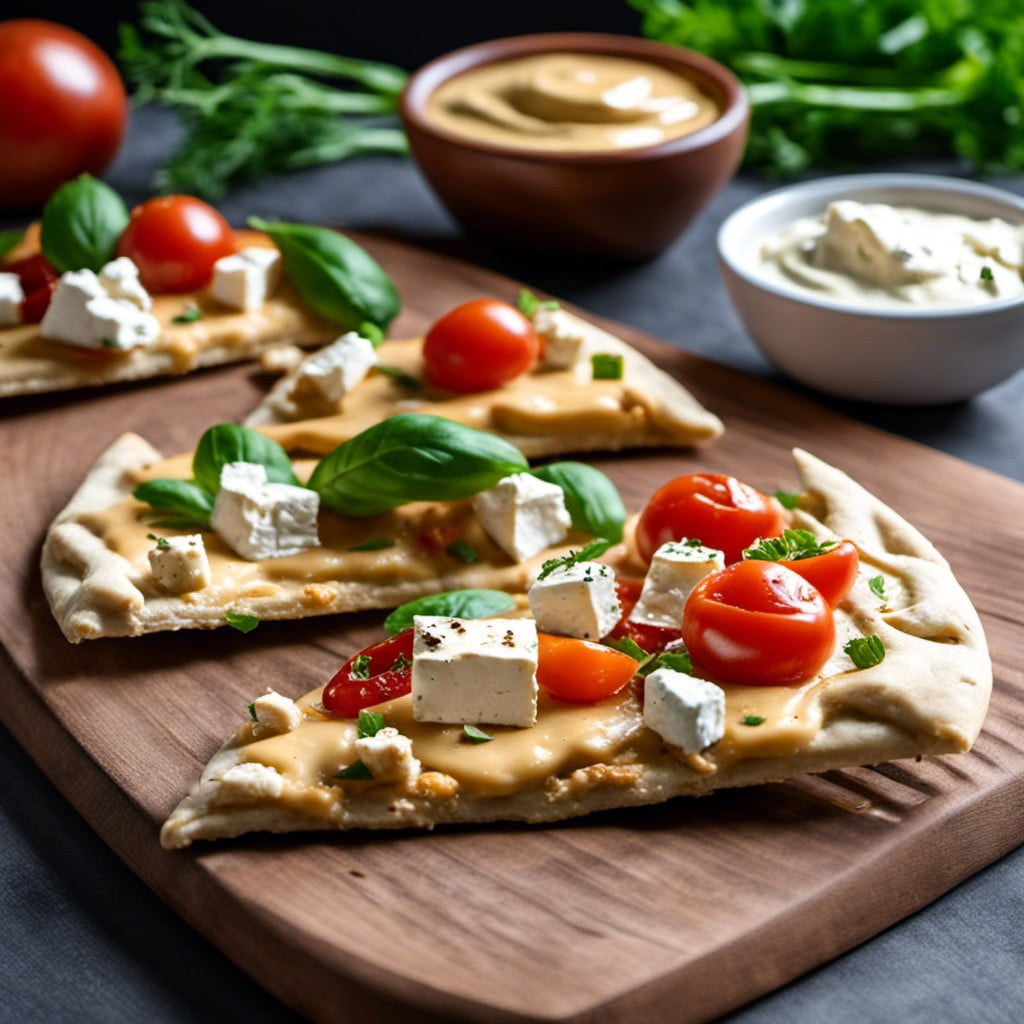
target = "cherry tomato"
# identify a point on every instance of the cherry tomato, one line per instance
(63, 110)
(388, 675)
(719, 511)
(579, 671)
(38, 281)
(650, 638)
(831, 574)
(478, 346)
(175, 241)
(758, 624)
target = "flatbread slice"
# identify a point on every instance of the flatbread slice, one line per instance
(32, 364)
(549, 411)
(928, 696)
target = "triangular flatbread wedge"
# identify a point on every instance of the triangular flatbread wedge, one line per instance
(548, 411)
(278, 772)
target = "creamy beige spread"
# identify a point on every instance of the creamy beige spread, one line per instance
(875, 255)
(571, 102)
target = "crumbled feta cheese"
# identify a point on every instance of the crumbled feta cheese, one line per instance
(179, 564)
(120, 280)
(12, 295)
(563, 339)
(388, 756)
(676, 568)
(474, 670)
(246, 279)
(264, 520)
(89, 310)
(275, 713)
(523, 515)
(249, 782)
(577, 600)
(336, 369)
(685, 711)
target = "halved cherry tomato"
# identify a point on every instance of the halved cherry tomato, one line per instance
(650, 638)
(579, 671)
(478, 346)
(38, 280)
(175, 241)
(832, 574)
(389, 675)
(718, 510)
(758, 624)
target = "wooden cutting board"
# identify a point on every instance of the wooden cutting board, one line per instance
(678, 912)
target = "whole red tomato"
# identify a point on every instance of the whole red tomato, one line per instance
(758, 624)
(62, 109)
(478, 346)
(175, 241)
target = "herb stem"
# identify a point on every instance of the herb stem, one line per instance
(846, 97)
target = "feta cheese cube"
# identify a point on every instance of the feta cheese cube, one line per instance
(685, 711)
(249, 782)
(388, 756)
(335, 370)
(82, 312)
(676, 568)
(12, 295)
(523, 515)
(474, 670)
(563, 339)
(264, 520)
(120, 280)
(276, 714)
(577, 600)
(246, 279)
(179, 564)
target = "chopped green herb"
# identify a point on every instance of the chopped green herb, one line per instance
(189, 316)
(752, 720)
(528, 303)
(400, 663)
(356, 770)
(475, 735)
(787, 499)
(8, 240)
(162, 543)
(371, 332)
(606, 367)
(792, 545)
(406, 380)
(865, 651)
(464, 552)
(986, 274)
(109, 343)
(877, 587)
(252, 713)
(361, 667)
(627, 645)
(243, 623)
(369, 724)
(374, 544)
(596, 547)
(678, 661)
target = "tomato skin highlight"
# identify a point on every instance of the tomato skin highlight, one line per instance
(478, 346)
(64, 109)
(346, 695)
(580, 671)
(831, 574)
(718, 510)
(758, 624)
(175, 241)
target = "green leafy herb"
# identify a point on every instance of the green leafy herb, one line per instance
(361, 667)
(162, 543)
(606, 367)
(8, 240)
(356, 770)
(81, 224)
(752, 720)
(374, 544)
(877, 587)
(243, 623)
(627, 645)
(787, 499)
(252, 713)
(371, 332)
(865, 651)
(250, 108)
(678, 661)
(400, 377)
(464, 552)
(585, 554)
(400, 664)
(189, 503)
(411, 457)
(987, 275)
(229, 442)
(459, 604)
(528, 303)
(189, 316)
(475, 735)
(591, 499)
(337, 277)
(369, 723)
(792, 546)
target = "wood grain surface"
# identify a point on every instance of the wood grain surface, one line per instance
(678, 912)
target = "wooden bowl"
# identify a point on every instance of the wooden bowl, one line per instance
(624, 204)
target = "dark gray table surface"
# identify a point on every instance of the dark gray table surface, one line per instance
(84, 940)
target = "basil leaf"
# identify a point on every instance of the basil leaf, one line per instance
(787, 499)
(8, 240)
(229, 442)
(374, 544)
(356, 770)
(189, 316)
(184, 497)
(243, 623)
(865, 651)
(337, 277)
(252, 712)
(464, 552)
(627, 645)
(528, 303)
(459, 604)
(411, 457)
(81, 224)
(591, 499)
(475, 735)
(369, 723)
(678, 661)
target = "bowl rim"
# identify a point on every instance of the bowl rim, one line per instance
(840, 186)
(424, 81)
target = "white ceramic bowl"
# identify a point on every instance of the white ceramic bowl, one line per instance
(909, 357)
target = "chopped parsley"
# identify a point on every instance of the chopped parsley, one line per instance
(605, 366)
(877, 587)
(596, 547)
(400, 377)
(865, 651)
(374, 544)
(528, 303)
(361, 668)
(188, 316)
(243, 623)
(252, 712)
(752, 720)
(369, 724)
(986, 274)
(371, 332)
(464, 552)
(356, 770)
(678, 661)
(400, 664)
(792, 545)
(475, 735)
(787, 499)
(162, 543)
(627, 645)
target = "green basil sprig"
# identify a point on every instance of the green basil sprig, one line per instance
(81, 224)
(337, 277)
(411, 457)
(591, 499)
(459, 604)
(8, 240)
(185, 501)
